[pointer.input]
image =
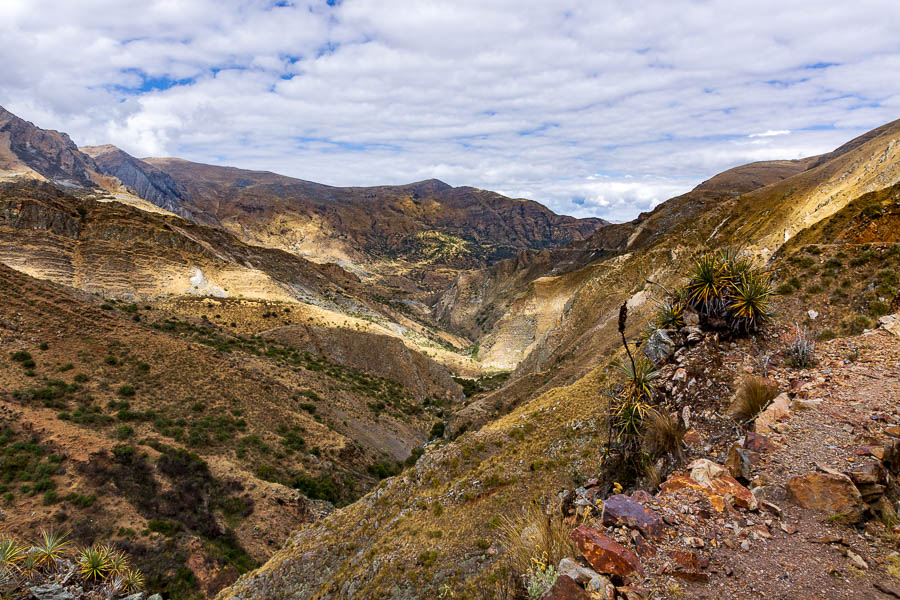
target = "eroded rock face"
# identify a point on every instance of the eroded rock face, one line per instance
(52, 154)
(622, 510)
(833, 493)
(604, 554)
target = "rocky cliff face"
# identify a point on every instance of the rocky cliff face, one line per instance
(28, 150)
(143, 179)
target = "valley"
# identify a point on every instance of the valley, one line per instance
(371, 392)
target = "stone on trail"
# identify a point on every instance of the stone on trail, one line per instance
(622, 510)
(833, 493)
(604, 554)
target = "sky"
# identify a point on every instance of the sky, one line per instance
(594, 108)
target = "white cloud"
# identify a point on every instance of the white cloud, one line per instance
(770, 133)
(594, 108)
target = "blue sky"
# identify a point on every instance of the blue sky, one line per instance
(593, 108)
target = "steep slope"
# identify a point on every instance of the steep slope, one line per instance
(511, 305)
(121, 252)
(27, 150)
(435, 528)
(142, 179)
(183, 441)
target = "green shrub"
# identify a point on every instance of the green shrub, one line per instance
(165, 527)
(21, 356)
(126, 390)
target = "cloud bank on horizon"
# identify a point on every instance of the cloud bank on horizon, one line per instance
(590, 107)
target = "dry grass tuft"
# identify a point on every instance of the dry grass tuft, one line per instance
(663, 434)
(752, 397)
(535, 538)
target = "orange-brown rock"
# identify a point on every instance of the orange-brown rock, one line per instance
(827, 492)
(604, 554)
(779, 409)
(712, 480)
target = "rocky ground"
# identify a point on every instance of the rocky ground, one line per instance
(800, 503)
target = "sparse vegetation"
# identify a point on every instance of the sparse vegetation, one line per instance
(753, 395)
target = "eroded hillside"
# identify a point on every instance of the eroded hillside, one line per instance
(553, 315)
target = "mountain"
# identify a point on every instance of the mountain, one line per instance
(403, 387)
(414, 237)
(552, 316)
(425, 230)
(27, 150)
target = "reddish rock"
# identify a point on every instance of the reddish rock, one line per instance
(686, 565)
(565, 588)
(832, 493)
(693, 439)
(756, 442)
(622, 510)
(604, 554)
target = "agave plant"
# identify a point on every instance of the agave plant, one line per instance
(11, 554)
(133, 580)
(118, 563)
(749, 300)
(669, 314)
(707, 282)
(638, 379)
(94, 563)
(50, 548)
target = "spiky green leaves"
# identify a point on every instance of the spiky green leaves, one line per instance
(51, 547)
(632, 404)
(11, 554)
(94, 563)
(727, 289)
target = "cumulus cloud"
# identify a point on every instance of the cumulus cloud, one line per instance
(593, 108)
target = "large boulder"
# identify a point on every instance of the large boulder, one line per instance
(604, 554)
(833, 493)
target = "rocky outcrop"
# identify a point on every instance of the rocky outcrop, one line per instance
(53, 155)
(142, 178)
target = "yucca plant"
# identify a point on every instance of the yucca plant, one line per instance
(94, 563)
(669, 314)
(749, 300)
(118, 563)
(50, 548)
(11, 554)
(707, 282)
(637, 379)
(133, 580)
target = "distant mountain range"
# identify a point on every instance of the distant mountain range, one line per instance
(424, 231)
